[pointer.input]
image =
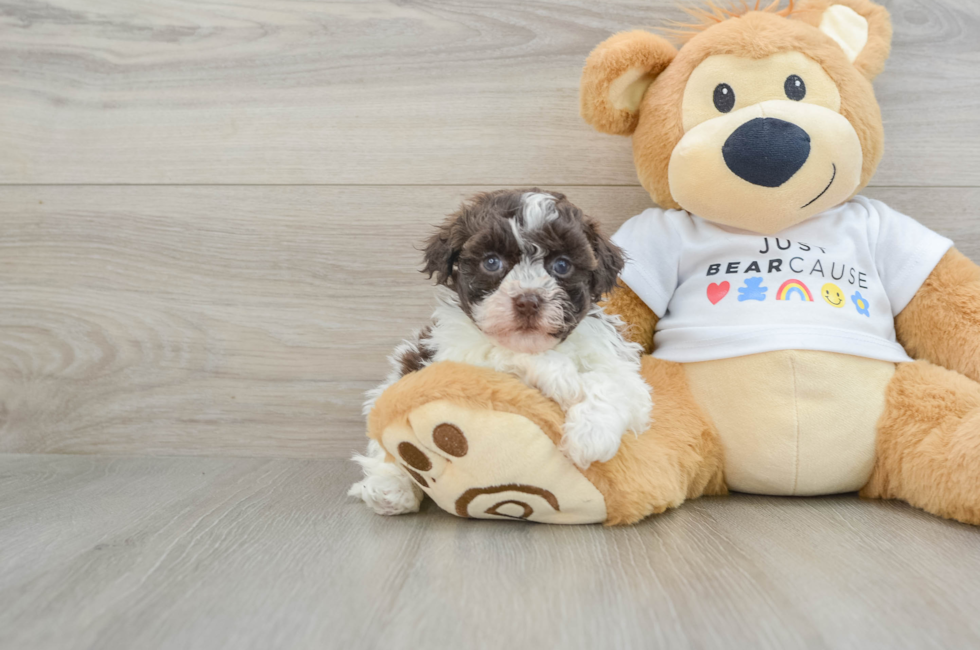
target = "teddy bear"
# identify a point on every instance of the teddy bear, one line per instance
(800, 339)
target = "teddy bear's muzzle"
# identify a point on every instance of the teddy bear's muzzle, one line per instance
(766, 151)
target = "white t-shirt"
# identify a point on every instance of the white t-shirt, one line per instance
(834, 282)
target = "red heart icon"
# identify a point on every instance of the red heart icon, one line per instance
(717, 291)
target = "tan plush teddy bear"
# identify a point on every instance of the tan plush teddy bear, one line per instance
(802, 339)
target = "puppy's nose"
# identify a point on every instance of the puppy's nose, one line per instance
(527, 304)
(766, 151)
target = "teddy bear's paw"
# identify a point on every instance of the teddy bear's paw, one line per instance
(385, 488)
(491, 465)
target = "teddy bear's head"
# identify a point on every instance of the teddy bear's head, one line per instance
(763, 118)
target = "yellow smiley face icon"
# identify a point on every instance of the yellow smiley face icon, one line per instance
(833, 295)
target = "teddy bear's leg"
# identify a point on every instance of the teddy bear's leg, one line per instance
(928, 448)
(482, 444)
(678, 457)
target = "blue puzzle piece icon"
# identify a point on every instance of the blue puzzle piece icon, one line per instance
(753, 290)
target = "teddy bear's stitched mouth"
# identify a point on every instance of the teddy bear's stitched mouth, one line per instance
(832, 177)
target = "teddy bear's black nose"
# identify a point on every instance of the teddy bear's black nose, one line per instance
(766, 151)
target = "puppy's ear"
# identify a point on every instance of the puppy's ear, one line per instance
(862, 28)
(610, 261)
(441, 251)
(616, 75)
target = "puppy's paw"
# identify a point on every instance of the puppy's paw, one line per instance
(385, 488)
(387, 493)
(590, 435)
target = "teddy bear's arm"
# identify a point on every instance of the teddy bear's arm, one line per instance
(941, 324)
(639, 318)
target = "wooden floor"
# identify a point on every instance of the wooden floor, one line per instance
(208, 219)
(206, 553)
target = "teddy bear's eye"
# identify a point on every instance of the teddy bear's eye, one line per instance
(724, 98)
(795, 88)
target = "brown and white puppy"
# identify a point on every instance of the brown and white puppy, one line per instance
(526, 266)
(521, 273)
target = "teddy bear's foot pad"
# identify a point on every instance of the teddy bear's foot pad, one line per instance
(491, 465)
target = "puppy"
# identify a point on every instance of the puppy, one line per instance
(520, 273)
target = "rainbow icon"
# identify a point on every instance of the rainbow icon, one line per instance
(793, 287)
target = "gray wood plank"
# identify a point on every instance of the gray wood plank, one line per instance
(212, 553)
(462, 92)
(235, 320)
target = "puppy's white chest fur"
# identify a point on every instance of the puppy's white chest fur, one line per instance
(594, 375)
(454, 337)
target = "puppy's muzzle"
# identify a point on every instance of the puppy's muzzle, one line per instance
(766, 151)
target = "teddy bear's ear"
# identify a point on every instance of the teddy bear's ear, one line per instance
(861, 27)
(616, 75)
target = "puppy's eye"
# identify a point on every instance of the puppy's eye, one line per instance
(492, 264)
(795, 88)
(561, 267)
(724, 98)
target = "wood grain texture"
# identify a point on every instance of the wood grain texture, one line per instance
(236, 320)
(204, 553)
(222, 307)
(426, 92)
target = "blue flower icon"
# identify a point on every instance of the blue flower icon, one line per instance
(860, 303)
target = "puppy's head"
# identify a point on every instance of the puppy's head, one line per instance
(527, 265)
